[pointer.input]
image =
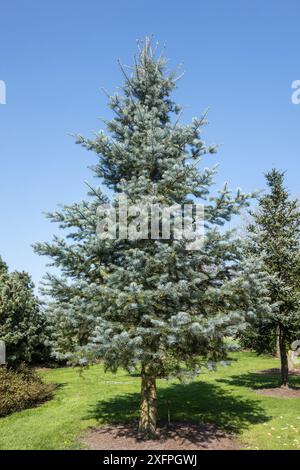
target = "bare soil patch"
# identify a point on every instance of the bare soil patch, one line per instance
(176, 436)
(280, 392)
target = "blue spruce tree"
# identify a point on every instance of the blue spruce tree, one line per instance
(152, 306)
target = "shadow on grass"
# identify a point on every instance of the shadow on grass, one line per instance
(197, 402)
(260, 380)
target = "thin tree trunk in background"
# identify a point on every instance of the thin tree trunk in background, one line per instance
(148, 409)
(277, 342)
(283, 359)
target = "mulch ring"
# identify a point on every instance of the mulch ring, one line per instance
(176, 436)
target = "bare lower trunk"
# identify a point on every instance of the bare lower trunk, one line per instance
(277, 342)
(148, 409)
(283, 359)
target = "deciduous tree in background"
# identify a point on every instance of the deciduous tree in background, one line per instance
(151, 306)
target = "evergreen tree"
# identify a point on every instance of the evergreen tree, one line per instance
(22, 325)
(3, 267)
(274, 234)
(260, 336)
(151, 306)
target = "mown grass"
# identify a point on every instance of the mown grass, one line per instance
(226, 397)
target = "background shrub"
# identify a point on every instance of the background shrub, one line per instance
(20, 389)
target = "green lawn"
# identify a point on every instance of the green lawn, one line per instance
(226, 397)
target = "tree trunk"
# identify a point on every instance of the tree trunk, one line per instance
(148, 409)
(277, 353)
(283, 359)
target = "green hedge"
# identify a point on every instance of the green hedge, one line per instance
(20, 389)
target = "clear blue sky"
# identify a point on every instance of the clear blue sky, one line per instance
(240, 58)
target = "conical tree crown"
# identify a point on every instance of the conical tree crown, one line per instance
(145, 149)
(277, 226)
(150, 301)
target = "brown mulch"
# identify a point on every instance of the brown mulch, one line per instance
(279, 392)
(177, 436)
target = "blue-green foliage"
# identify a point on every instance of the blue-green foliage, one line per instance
(150, 302)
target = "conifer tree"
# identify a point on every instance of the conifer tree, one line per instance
(3, 267)
(22, 325)
(152, 306)
(274, 234)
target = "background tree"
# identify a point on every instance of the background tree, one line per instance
(22, 325)
(274, 234)
(151, 306)
(3, 267)
(260, 336)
